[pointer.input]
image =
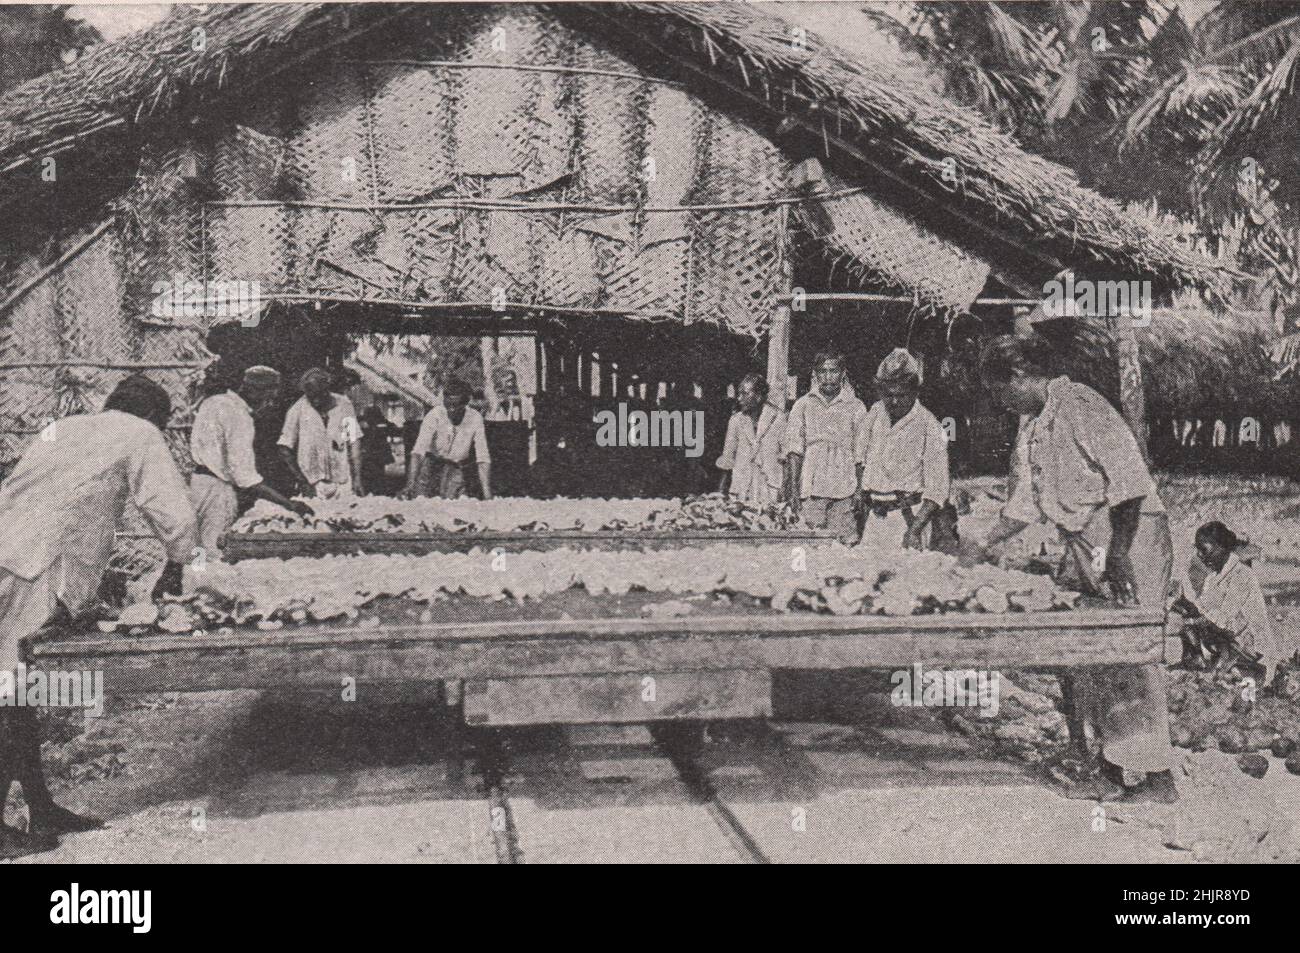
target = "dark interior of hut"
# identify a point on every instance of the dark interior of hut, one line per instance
(583, 366)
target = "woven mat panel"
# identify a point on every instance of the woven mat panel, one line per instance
(162, 232)
(496, 258)
(412, 122)
(675, 129)
(515, 126)
(609, 150)
(735, 269)
(646, 281)
(90, 301)
(905, 255)
(31, 330)
(252, 163)
(737, 164)
(253, 243)
(431, 238)
(355, 254)
(444, 132)
(568, 271)
(329, 153)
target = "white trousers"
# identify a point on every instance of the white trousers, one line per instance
(215, 507)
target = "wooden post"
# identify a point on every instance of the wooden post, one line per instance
(1132, 398)
(778, 333)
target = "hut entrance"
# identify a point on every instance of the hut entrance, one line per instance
(573, 405)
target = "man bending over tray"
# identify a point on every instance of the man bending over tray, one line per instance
(452, 439)
(1078, 466)
(60, 508)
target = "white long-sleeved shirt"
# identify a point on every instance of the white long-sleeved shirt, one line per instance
(322, 443)
(64, 499)
(1232, 599)
(831, 436)
(753, 454)
(1077, 456)
(222, 440)
(439, 436)
(910, 456)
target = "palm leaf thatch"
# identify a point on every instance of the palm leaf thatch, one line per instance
(1038, 202)
(1196, 362)
(1040, 208)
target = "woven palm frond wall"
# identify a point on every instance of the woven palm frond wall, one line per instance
(508, 162)
(70, 337)
(495, 159)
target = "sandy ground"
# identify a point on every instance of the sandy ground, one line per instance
(244, 777)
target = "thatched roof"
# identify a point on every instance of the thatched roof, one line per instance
(1004, 195)
(1195, 362)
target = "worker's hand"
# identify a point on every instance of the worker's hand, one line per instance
(912, 538)
(301, 508)
(1120, 579)
(1185, 607)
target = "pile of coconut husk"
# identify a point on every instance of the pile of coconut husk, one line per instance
(1257, 724)
(1230, 713)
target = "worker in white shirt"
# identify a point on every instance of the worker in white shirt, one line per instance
(221, 442)
(1228, 618)
(825, 451)
(60, 508)
(905, 479)
(1078, 466)
(751, 454)
(321, 440)
(448, 436)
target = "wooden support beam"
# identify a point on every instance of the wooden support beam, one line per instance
(778, 333)
(1132, 397)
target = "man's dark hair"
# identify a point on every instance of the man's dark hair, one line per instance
(829, 355)
(1219, 534)
(141, 397)
(1008, 353)
(456, 387)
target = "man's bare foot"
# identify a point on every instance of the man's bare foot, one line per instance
(1158, 788)
(59, 820)
(1082, 779)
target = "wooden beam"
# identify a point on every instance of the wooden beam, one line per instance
(778, 332)
(319, 655)
(1132, 396)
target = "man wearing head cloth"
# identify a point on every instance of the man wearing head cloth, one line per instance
(60, 508)
(221, 443)
(321, 439)
(906, 474)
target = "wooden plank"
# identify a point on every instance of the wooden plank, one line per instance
(276, 664)
(1065, 624)
(623, 698)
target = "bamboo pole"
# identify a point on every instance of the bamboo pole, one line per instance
(1132, 397)
(778, 334)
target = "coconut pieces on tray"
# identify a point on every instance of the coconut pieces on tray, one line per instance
(374, 514)
(832, 579)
